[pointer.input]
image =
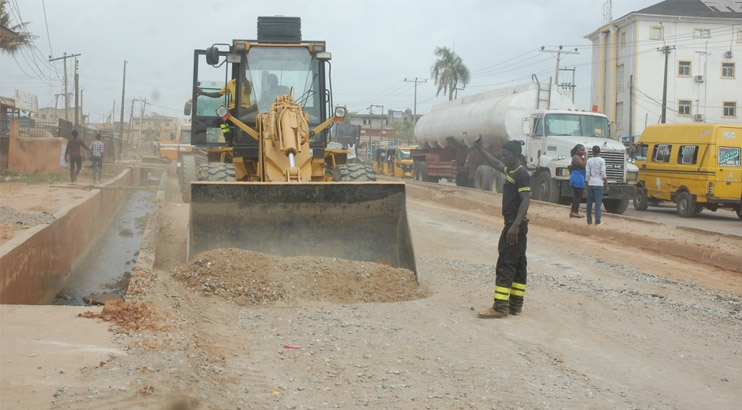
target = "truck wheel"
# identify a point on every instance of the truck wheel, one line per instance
(616, 206)
(483, 177)
(355, 172)
(187, 174)
(499, 182)
(739, 213)
(216, 171)
(640, 201)
(421, 172)
(685, 204)
(462, 179)
(545, 189)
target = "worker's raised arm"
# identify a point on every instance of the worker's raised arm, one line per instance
(494, 162)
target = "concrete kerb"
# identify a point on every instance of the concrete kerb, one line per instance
(144, 266)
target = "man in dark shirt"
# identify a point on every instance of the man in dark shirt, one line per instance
(74, 153)
(510, 280)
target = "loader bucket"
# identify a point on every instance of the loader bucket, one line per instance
(364, 221)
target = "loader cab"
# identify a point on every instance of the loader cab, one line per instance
(248, 77)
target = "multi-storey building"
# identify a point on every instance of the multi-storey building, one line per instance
(675, 61)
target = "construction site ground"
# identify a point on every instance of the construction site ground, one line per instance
(627, 315)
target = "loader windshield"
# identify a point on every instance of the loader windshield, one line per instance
(273, 71)
(577, 125)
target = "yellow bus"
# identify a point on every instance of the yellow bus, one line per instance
(696, 166)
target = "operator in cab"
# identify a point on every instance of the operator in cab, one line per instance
(229, 88)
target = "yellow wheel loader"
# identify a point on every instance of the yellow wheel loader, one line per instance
(262, 176)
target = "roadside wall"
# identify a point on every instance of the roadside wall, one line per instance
(33, 154)
(35, 265)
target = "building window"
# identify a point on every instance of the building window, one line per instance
(730, 109)
(684, 68)
(623, 39)
(684, 107)
(727, 70)
(739, 36)
(701, 33)
(619, 115)
(619, 78)
(655, 33)
(688, 154)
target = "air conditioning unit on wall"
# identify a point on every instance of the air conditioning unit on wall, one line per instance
(728, 54)
(698, 117)
(699, 78)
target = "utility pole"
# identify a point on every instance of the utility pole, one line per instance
(559, 53)
(131, 118)
(144, 105)
(666, 50)
(414, 110)
(82, 112)
(381, 123)
(570, 86)
(123, 94)
(77, 95)
(66, 97)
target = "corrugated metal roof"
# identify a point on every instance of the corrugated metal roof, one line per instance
(696, 8)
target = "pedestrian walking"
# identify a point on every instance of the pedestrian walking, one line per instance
(74, 152)
(596, 180)
(96, 147)
(510, 272)
(577, 179)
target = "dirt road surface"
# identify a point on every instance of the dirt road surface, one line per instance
(630, 315)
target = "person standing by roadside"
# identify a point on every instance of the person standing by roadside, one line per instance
(510, 273)
(96, 147)
(596, 179)
(577, 179)
(74, 153)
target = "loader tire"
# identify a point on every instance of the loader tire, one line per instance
(187, 174)
(356, 172)
(216, 171)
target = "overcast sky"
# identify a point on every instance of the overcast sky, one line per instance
(375, 45)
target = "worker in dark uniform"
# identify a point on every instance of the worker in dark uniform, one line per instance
(510, 281)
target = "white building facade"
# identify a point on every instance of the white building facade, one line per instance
(701, 40)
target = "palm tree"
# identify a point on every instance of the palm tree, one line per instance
(448, 72)
(11, 37)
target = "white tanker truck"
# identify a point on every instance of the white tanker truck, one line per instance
(545, 121)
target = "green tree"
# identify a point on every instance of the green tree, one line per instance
(12, 38)
(405, 130)
(448, 72)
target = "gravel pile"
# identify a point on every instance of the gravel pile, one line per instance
(251, 278)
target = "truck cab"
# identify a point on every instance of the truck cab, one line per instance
(551, 136)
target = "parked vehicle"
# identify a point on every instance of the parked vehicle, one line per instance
(545, 121)
(394, 161)
(697, 166)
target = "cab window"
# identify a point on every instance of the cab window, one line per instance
(729, 156)
(688, 154)
(640, 153)
(661, 153)
(538, 127)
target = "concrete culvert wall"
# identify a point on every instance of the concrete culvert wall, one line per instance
(35, 265)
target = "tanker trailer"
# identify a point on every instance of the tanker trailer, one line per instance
(544, 120)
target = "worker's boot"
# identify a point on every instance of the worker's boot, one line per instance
(498, 310)
(516, 304)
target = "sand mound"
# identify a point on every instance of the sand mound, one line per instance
(251, 278)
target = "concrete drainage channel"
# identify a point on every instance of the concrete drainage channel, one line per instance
(88, 253)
